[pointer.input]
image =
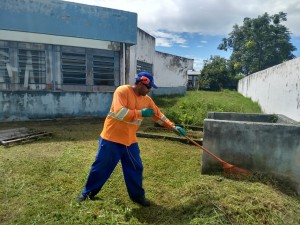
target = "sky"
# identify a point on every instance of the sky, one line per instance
(194, 28)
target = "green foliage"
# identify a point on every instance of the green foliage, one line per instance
(192, 109)
(259, 43)
(274, 118)
(214, 75)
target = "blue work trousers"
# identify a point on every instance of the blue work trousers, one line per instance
(107, 158)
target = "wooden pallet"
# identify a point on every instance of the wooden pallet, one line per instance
(22, 134)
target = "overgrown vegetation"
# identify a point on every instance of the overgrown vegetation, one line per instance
(40, 180)
(192, 109)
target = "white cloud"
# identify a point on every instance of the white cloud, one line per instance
(163, 42)
(215, 17)
(174, 22)
(167, 39)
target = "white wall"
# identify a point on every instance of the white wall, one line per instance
(144, 51)
(276, 89)
(170, 71)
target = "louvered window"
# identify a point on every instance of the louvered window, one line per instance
(143, 66)
(73, 68)
(32, 67)
(103, 70)
(4, 59)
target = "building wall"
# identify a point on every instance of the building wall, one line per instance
(44, 105)
(277, 89)
(61, 18)
(193, 80)
(52, 29)
(143, 51)
(170, 71)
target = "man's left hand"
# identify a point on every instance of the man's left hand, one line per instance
(180, 129)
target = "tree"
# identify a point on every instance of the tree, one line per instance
(215, 74)
(258, 44)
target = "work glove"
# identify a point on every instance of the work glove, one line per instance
(181, 130)
(147, 112)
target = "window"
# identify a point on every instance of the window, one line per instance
(32, 68)
(4, 59)
(103, 70)
(142, 66)
(73, 68)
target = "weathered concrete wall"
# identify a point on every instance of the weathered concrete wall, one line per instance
(143, 51)
(42, 105)
(67, 24)
(170, 71)
(253, 142)
(277, 89)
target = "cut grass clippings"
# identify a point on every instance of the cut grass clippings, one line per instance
(40, 181)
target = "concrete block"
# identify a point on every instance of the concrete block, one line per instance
(265, 143)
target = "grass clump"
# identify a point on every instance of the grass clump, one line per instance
(192, 109)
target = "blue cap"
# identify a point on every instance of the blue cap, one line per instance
(139, 76)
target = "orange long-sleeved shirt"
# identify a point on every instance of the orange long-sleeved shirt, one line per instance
(124, 118)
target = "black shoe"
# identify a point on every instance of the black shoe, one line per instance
(82, 197)
(142, 201)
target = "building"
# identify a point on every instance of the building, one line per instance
(63, 59)
(193, 79)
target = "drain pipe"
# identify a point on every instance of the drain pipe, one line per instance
(53, 68)
(124, 66)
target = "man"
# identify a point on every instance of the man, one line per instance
(118, 140)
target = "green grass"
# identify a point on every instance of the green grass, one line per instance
(192, 109)
(40, 180)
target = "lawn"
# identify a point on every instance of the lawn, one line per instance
(40, 181)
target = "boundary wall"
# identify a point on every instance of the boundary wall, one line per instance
(276, 89)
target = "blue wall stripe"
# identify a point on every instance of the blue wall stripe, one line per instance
(68, 19)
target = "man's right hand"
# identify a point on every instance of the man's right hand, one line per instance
(147, 112)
